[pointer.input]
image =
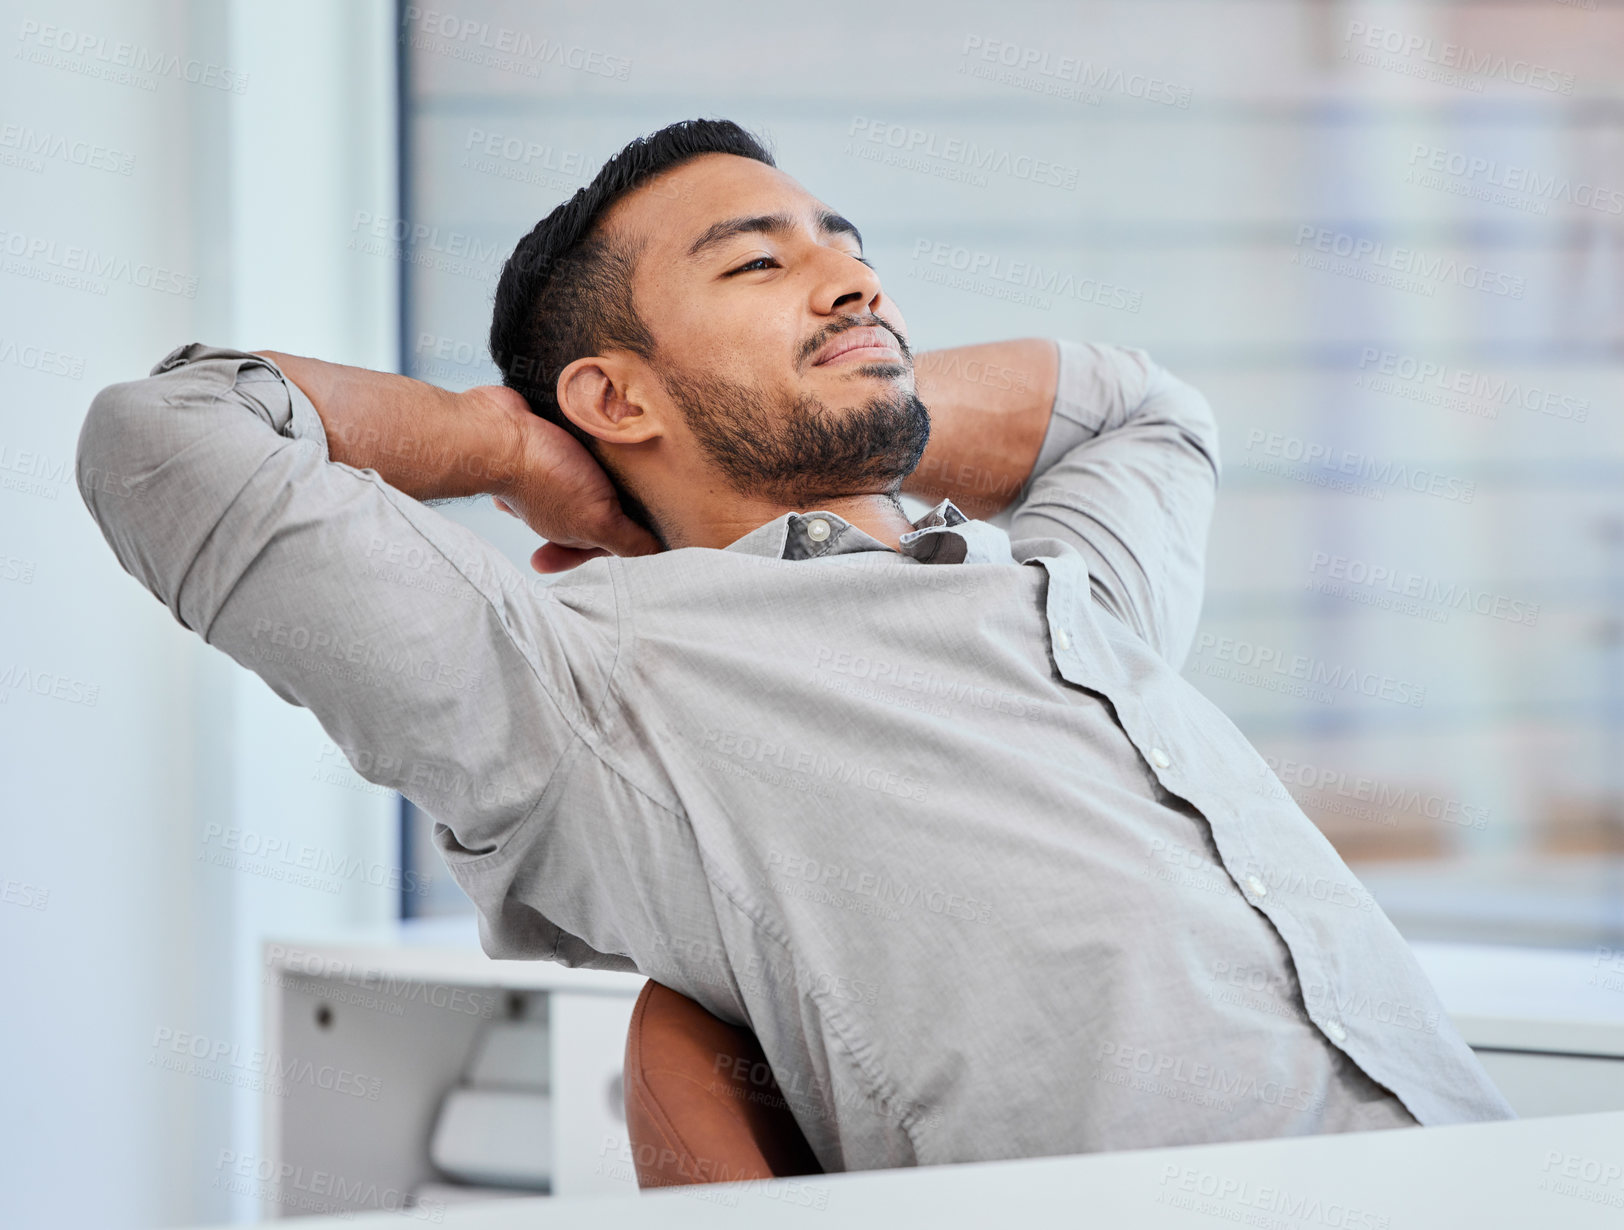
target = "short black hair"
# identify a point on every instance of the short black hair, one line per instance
(567, 291)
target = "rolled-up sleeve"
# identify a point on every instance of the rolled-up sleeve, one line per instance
(440, 669)
(1128, 473)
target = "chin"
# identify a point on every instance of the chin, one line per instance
(890, 371)
(879, 371)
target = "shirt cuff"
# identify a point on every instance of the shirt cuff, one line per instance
(290, 412)
(1097, 386)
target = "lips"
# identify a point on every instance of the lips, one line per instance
(867, 343)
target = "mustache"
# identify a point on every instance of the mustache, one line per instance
(815, 343)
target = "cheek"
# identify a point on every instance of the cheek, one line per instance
(755, 345)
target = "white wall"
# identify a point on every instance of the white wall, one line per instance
(113, 926)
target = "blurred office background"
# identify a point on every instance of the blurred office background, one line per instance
(1386, 239)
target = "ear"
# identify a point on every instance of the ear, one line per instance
(597, 395)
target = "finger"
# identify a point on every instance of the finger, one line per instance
(503, 505)
(625, 537)
(552, 557)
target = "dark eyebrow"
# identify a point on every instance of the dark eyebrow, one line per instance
(829, 222)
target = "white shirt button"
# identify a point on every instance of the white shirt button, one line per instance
(1160, 758)
(1334, 1028)
(817, 529)
(1061, 640)
(1258, 887)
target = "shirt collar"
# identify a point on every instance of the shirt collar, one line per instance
(944, 535)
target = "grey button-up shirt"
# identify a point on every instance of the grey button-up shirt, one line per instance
(945, 827)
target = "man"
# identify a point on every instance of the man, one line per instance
(927, 805)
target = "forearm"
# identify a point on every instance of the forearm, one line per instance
(989, 411)
(425, 441)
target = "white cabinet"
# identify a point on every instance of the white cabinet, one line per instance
(592, 1154)
(1538, 1083)
(365, 1039)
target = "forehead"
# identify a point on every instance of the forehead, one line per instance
(674, 209)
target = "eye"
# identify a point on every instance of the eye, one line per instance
(862, 260)
(763, 262)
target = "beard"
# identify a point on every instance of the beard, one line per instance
(798, 451)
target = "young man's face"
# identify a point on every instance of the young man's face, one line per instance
(789, 365)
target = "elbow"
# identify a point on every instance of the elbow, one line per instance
(106, 455)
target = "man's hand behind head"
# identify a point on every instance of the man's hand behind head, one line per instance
(557, 488)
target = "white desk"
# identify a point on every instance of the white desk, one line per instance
(1565, 1173)
(1548, 1024)
(1531, 999)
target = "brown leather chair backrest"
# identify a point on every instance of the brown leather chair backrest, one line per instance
(701, 1103)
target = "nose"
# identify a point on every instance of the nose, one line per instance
(846, 285)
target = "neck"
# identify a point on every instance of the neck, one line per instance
(876, 514)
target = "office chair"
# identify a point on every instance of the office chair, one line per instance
(701, 1103)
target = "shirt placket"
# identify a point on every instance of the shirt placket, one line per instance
(1083, 658)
